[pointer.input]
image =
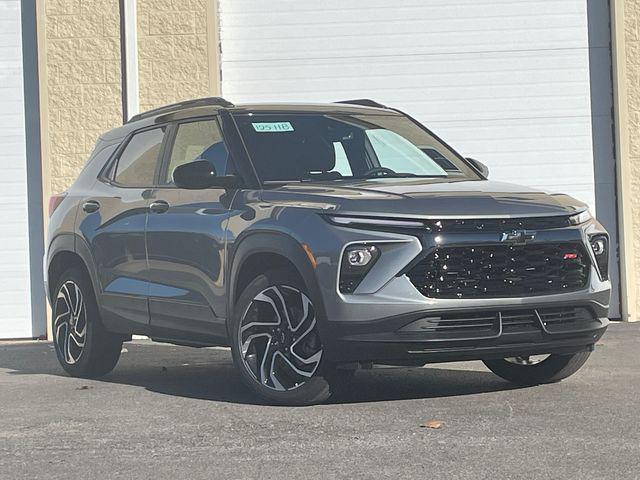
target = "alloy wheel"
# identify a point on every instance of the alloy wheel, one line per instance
(278, 339)
(70, 324)
(527, 360)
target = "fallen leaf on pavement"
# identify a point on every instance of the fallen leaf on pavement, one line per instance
(435, 424)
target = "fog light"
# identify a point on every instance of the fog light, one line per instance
(360, 256)
(356, 263)
(600, 247)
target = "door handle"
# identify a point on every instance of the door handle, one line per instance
(159, 206)
(90, 206)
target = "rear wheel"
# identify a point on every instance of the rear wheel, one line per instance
(536, 369)
(83, 347)
(275, 341)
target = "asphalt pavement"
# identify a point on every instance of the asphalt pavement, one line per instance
(171, 412)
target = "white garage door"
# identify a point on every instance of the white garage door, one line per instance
(505, 81)
(15, 295)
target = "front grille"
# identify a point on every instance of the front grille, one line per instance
(496, 224)
(457, 322)
(557, 319)
(501, 270)
(490, 323)
(518, 320)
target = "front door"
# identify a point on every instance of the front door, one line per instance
(186, 241)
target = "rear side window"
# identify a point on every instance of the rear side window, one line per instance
(198, 141)
(137, 163)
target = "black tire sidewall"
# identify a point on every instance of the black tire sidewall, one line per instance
(552, 369)
(314, 390)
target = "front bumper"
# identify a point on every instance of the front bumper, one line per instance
(398, 340)
(370, 324)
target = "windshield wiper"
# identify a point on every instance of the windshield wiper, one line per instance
(402, 175)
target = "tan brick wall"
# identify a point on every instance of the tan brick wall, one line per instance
(82, 68)
(174, 51)
(632, 48)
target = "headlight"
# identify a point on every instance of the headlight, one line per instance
(369, 222)
(580, 218)
(600, 247)
(356, 262)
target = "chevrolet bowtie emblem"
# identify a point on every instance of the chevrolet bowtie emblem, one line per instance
(519, 237)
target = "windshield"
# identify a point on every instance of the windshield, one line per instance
(321, 147)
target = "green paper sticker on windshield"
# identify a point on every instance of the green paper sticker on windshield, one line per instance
(272, 127)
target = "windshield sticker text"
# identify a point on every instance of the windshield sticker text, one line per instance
(272, 127)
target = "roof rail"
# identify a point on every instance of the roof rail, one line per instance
(365, 102)
(174, 107)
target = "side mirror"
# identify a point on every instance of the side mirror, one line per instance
(479, 166)
(200, 174)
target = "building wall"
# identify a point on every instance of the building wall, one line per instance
(177, 60)
(176, 51)
(82, 81)
(632, 50)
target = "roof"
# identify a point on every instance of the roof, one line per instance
(211, 105)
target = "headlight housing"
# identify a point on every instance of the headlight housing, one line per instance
(600, 247)
(580, 218)
(372, 222)
(356, 262)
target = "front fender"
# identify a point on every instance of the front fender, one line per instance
(277, 243)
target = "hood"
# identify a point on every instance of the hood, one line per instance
(424, 197)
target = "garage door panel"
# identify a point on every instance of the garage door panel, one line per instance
(15, 294)
(430, 27)
(563, 63)
(342, 47)
(289, 13)
(9, 80)
(14, 189)
(556, 135)
(10, 148)
(476, 87)
(529, 151)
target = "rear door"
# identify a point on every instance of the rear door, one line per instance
(186, 239)
(112, 220)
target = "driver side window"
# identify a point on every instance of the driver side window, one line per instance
(200, 140)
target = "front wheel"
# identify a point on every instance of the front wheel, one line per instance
(275, 341)
(536, 369)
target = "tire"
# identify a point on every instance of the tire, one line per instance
(83, 347)
(552, 369)
(340, 380)
(275, 343)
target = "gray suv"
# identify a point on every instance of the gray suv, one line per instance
(316, 239)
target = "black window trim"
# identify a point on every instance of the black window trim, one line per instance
(107, 174)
